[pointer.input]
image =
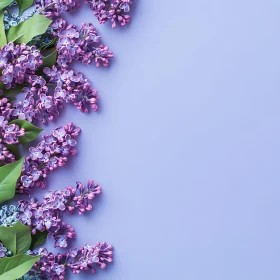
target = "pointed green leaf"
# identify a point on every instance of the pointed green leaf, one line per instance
(12, 268)
(48, 61)
(5, 3)
(9, 174)
(13, 149)
(26, 30)
(16, 238)
(38, 238)
(23, 5)
(3, 40)
(31, 131)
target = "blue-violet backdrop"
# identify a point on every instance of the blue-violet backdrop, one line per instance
(186, 142)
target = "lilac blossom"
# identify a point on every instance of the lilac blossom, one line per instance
(53, 8)
(9, 133)
(82, 45)
(5, 111)
(48, 214)
(115, 11)
(49, 154)
(18, 63)
(37, 105)
(51, 266)
(73, 88)
(88, 257)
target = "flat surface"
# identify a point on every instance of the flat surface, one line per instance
(186, 143)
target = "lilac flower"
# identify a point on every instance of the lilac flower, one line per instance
(19, 109)
(48, 214)
(81, 45)
(18, 62)
(111, 10)
(59, 133)
(51, 266)
(10, 133)
(50, 153)
(62, 234)
(89, 256)
(73, 88)
(36, 153)
(53, 8)
(46, 101)
(3, 122)
(5, 111)
(26, 181)
(57, 25)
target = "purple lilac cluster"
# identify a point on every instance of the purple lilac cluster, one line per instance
(53, 8)
(37, 105)
(73, 88)
(70, 87)
(73, 44)
(18, 64)
(82, 45)
(48, 214)
(88, 257)
(49, 154)
(115, 11)
(9, 133)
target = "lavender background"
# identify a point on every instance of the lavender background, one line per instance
(186, 142)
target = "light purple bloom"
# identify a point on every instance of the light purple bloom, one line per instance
(36, 153)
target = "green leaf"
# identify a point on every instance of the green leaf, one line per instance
(26, 30)
(9, 174)
(23, 5)
(12, 268)
(13, 149)
(50, 44)
(16, 238)
(48, 61)
(38, 238)
(10, 91)
(31, 131)
(5, 3)
(3, 40)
